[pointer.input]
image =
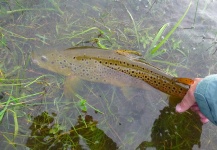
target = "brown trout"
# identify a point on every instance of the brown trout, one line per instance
(121, 68)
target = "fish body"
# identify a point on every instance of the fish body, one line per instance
(110, 67)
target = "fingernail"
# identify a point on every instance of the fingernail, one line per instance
(204, 120)
(178, 108)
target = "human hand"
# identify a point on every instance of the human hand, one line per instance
(189, 102)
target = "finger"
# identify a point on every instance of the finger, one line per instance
(188, 99)
(204, 120)
(186, 103)
(195, 108)
(201, 115)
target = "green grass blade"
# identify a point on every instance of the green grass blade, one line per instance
(16, 127)
(10, 141)
(158, 53)
(80, 33)
(157, 37)
(134, 24)
(56, 5)
(171, 31)
(2, 112)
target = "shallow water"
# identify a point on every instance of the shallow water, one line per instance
(48, 120)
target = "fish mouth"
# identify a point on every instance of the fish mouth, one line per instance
(33, 56)
(35, 61)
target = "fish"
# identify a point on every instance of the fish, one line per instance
(185, 81)
(121, 68)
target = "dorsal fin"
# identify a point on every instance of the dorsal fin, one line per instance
(82, 47)
(128, 53)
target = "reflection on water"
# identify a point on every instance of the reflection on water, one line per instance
(174, 131)
(45, 134)
(144, 122)
(169, 131)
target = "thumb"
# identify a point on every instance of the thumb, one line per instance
(188, 99)
(186, 103)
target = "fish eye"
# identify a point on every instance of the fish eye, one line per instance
(44, 58)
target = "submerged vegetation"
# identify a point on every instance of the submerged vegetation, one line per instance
(33, 110)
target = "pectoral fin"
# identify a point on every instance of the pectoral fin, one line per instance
(72, 86)
(128, 92)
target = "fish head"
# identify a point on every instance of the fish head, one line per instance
(39, 59)
(51, 61)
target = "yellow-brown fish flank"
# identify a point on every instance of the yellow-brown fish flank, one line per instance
(158, 81)
(110, 67)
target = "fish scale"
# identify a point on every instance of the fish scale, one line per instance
(162, 82)
(110, 67)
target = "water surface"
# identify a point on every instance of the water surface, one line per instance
(39, 116)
